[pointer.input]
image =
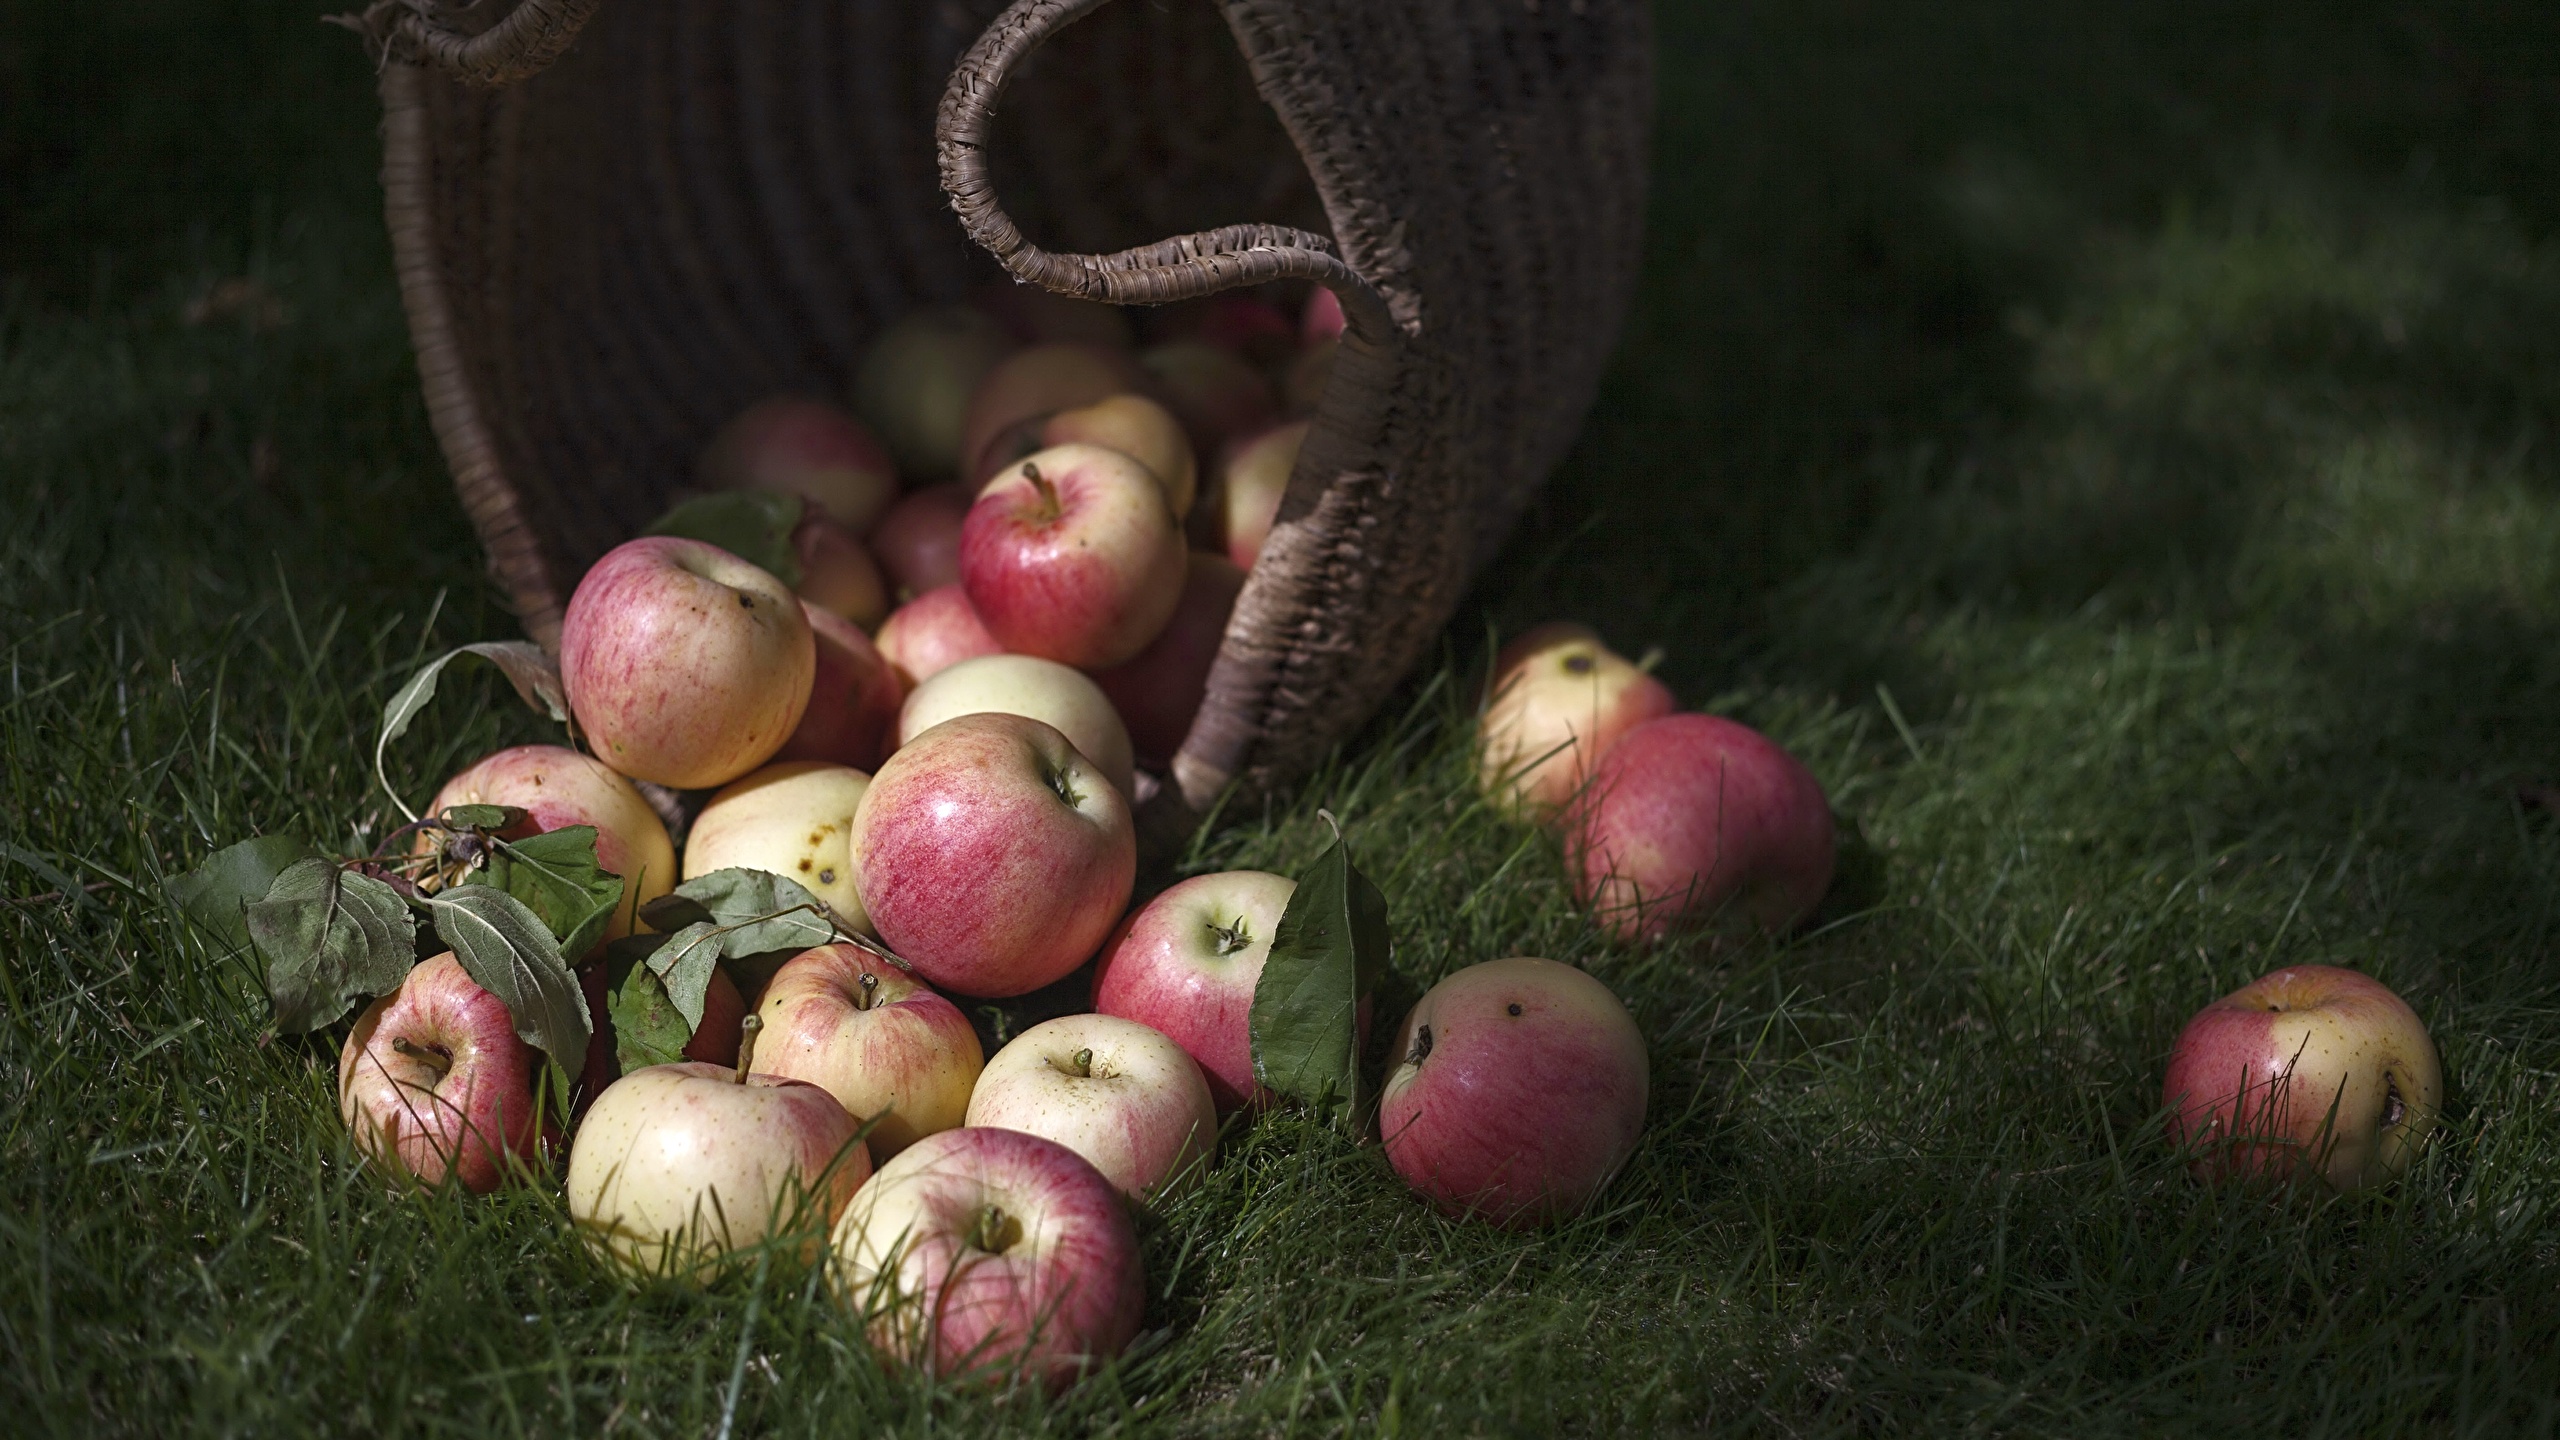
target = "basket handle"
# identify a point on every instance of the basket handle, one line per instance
(413, 32)
(1185, 267)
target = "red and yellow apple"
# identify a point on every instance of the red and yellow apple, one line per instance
(837, 573)
(1020, 395)
(435, 1085)
(793, 819)
(1073, 556)
(1186, 966)
(792, 445)
(1044, 690)
(891, 1050)
(1253, 477)
(1158, 691)
(854, 695)
(557, 787)
(918, 541)
(933, 632)
(1557, 700)
(1114, 1091)
(1136, 427)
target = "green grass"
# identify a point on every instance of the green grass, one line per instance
(2157, 407)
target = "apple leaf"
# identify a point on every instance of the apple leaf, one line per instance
(330, 937)
(754, 525)
(649, 1027)
(754, 910)
(1327, 954)
(511, 953)
(480, 817)
(558, 878)
(535, 678)
(215, 893)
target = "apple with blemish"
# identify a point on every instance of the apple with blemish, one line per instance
(1518, 1092)
(933, 632)
(890, 1049)
(837, 573)
(1020, 395)
(1557, 700)
(2313, 1070)
(685, 665)
(435, 1085)
(915, 382)
(557, 787)
(1119, 1094)
(1044, 690)
(1138, 428)
(918, 541)
(1218, 395)
(1186, 966)
(1253, 477)
(1073, 556)
(791, 445)
(793, 819)
(1158, 691)
(854, 695)
(1695, 820)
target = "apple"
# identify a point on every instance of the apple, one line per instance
(1113, 1091)
(557, 787)
(685, 665)
(796, 446)
(1026, 685)
(2311, 1070)
(1136, 427)
(933, 632)
(854, 696)
(677, 1165)
(991, 1254)
(1043, 316)
(1557, 700)
(1186, 965)
(914, 384)
(1158, 691)
(1518, 1094)
(1691, 819)
(837, 573)
(793, 819)
(715, 1040)
(891, 1050)
(918, 541)
(1073, 556)
(1322, 319)
(1218, 394)
(993, 857)
(434, 1083)
(1020, 395)
(1253, 476)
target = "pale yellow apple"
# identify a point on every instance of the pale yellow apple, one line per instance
(794, 820)
(1058, 695)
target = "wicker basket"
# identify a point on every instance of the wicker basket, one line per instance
(617, 223)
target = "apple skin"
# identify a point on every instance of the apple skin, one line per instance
(1020, 395)
(1692, 819)
(1073, 556)
(792, 445)
(1186, 965)
(557, 787)
(892, 1051)
(677, 1165)
(460, 1106)
(1322, 319)
(992, 856)
(685, 665)
(1217, 394)
(986, 1254)
(837, 573)
(2255, 1076)
(1253, 477)
(793, 819)
(1557, 700)
(1519, 1093)
(918, 541)
(1136, 427)
(933, 632)
(1044, 690)
(1137, 1107)
(854, 695)
(1158, 691)
(714, 1042)
(914, 384)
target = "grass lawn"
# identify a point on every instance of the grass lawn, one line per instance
(2118, 453)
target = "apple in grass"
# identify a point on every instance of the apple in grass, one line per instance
(1138, 428)
(1073, 556)
(793, 819)
(1253, 477)
(1158, 691)
(854, 695)
(685, 665)
(993, 857)
(933, 632)
(792, 445)
(1557, 700)
(557, 787)
(1691, 820)
(837, 573)
(914, 384)
(2312, 1070)
(1119, 1094)
(890, 1049)
(1186, 965)
(435, 1085)
(1044, 690)
(918, 541)
(1218, 394)
(992, 1255)
(1518, 1092)
(1020, 395)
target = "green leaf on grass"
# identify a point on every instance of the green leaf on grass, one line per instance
(216, 892)
(1327, 954)
(754, 525)
(508, 950)
(754, 910)
(535, 678)
(556, 875)
(330, 938)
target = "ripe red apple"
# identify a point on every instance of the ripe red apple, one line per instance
(854, 695)
(1159, 690)
(1520, 1092)
(434, 1084)
(2311, 1070)
(1253, 476)
(1115, 1092)
(677, 1165)
(918, 541)
(1073, 556)
(993, 857)
(1186, 966)
(1020, 395)
(1693, 818)
(557, 787)
(914, 384)
(796, 446)
(1042, 317)
(1322, 319)
(991, 1253)
(1557, 700)
(793, 819)
(882, 1042)
(1136, 427)
(837, 573)
(933, 632)
(1218, 394)
(1044, 690)
(685, 665)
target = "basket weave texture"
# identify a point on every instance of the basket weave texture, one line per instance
(617, 222)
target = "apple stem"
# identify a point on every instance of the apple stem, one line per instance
(991, 1232)
(433, 1055)
(747, 1029)
(1327, 817)
(870, 992)
(1041, 483)
(1232, 938)
(1084, 1062)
